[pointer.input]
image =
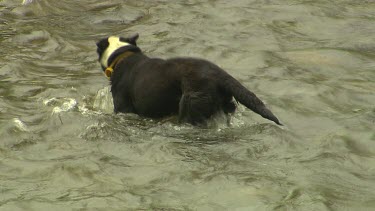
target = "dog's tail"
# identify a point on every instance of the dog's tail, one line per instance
(248, 98)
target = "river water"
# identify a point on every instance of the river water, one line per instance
(312, 62)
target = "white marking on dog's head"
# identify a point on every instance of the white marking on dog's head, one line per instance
(114, 44)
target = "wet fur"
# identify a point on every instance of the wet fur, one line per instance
(194, 89)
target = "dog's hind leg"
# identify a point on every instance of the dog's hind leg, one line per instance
(196, 107)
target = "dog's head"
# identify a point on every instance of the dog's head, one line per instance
(110, 47)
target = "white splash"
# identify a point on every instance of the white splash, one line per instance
(70, 104)
(48, 102)
(103, 100)
(20, 125)
(24, 2)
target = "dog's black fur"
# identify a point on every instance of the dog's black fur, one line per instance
(195, 89)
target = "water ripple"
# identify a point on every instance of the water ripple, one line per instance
(312, 62)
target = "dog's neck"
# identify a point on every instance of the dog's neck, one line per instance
(119, 55)
(109, 70)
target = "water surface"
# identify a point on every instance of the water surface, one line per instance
(312, 62)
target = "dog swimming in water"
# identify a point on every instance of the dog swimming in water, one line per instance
(192, 88)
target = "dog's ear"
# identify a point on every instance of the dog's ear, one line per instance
(133, 39)
(102, 44)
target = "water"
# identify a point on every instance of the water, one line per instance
(312, 62)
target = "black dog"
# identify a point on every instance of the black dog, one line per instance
(195, 89)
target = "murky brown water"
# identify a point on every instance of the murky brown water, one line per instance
(312, 62)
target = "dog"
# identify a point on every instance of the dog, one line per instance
(192, 88)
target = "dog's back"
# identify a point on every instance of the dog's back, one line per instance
(194, 89)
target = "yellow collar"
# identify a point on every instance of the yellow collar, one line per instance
(109, 70)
